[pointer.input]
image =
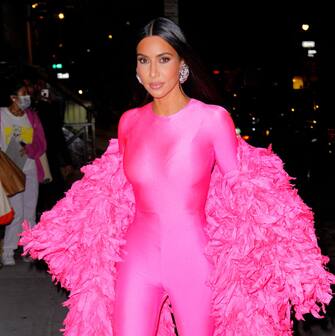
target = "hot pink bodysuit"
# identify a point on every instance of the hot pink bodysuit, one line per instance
(169, 160)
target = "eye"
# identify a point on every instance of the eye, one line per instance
(164, 59)
(142, 60)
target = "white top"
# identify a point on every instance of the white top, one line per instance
(13, 130)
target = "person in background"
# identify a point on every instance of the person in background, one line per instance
(58, 154)
(22, 138)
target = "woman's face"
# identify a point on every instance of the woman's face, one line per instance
(21, 99)
(158, 66)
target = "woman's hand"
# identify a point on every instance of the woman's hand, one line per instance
(23, 151)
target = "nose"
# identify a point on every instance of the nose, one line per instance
(153, 70)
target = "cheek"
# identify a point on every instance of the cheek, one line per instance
(171, 73)
(138, 70)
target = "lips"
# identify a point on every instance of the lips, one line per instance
(155, 85)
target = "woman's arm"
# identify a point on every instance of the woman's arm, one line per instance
(222, 130)
(121, 133)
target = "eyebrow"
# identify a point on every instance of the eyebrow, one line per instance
(159, 55)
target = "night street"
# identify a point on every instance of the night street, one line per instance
(76, 73)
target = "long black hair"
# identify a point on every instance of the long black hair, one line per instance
(199, 84)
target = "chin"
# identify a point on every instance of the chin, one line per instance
(157, 95)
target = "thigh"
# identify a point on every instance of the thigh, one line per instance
(186, 275)
(137, 302)
(192, 305)
(30, 196)
(16, 202)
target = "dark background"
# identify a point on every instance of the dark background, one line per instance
(251, 49)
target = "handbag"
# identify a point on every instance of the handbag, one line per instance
(6, 212)
(12, 177)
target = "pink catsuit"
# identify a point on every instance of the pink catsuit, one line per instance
(168, 160)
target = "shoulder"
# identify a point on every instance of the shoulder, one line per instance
(3, 110)
(32, 115)
(130, 117)
(213, 113)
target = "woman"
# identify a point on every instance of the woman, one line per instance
(201, 223)
(169, 169)
(22, 137)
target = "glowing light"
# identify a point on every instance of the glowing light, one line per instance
(80, 92)
(267, 132)
(34, 5)
(64, 75)
(311, 52)
(308, 44)
(292, 109)
(246, 137)
(297, 82)
(110, 36)
(305, 26)
(61, 16)
(216, 72)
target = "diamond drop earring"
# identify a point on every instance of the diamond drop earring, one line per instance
(183, 73)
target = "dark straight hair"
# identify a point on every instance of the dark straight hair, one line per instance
(199, 84)
(9, 87)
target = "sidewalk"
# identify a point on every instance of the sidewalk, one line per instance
(30, 304)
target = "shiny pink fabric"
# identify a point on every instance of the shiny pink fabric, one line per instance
(261, 243)
(168, 160)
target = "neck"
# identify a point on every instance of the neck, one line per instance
(15, 110)
(170, 104)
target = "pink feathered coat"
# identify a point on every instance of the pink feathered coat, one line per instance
(261, 240)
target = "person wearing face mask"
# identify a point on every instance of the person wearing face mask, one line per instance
(22, 138)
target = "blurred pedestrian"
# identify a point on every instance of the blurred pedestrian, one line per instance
(58, 154)
(22, 138)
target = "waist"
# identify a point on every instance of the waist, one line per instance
(169, 219)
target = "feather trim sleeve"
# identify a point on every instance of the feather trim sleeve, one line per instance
(264, 248)
(81, 240)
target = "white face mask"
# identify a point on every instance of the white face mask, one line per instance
(24, 102)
